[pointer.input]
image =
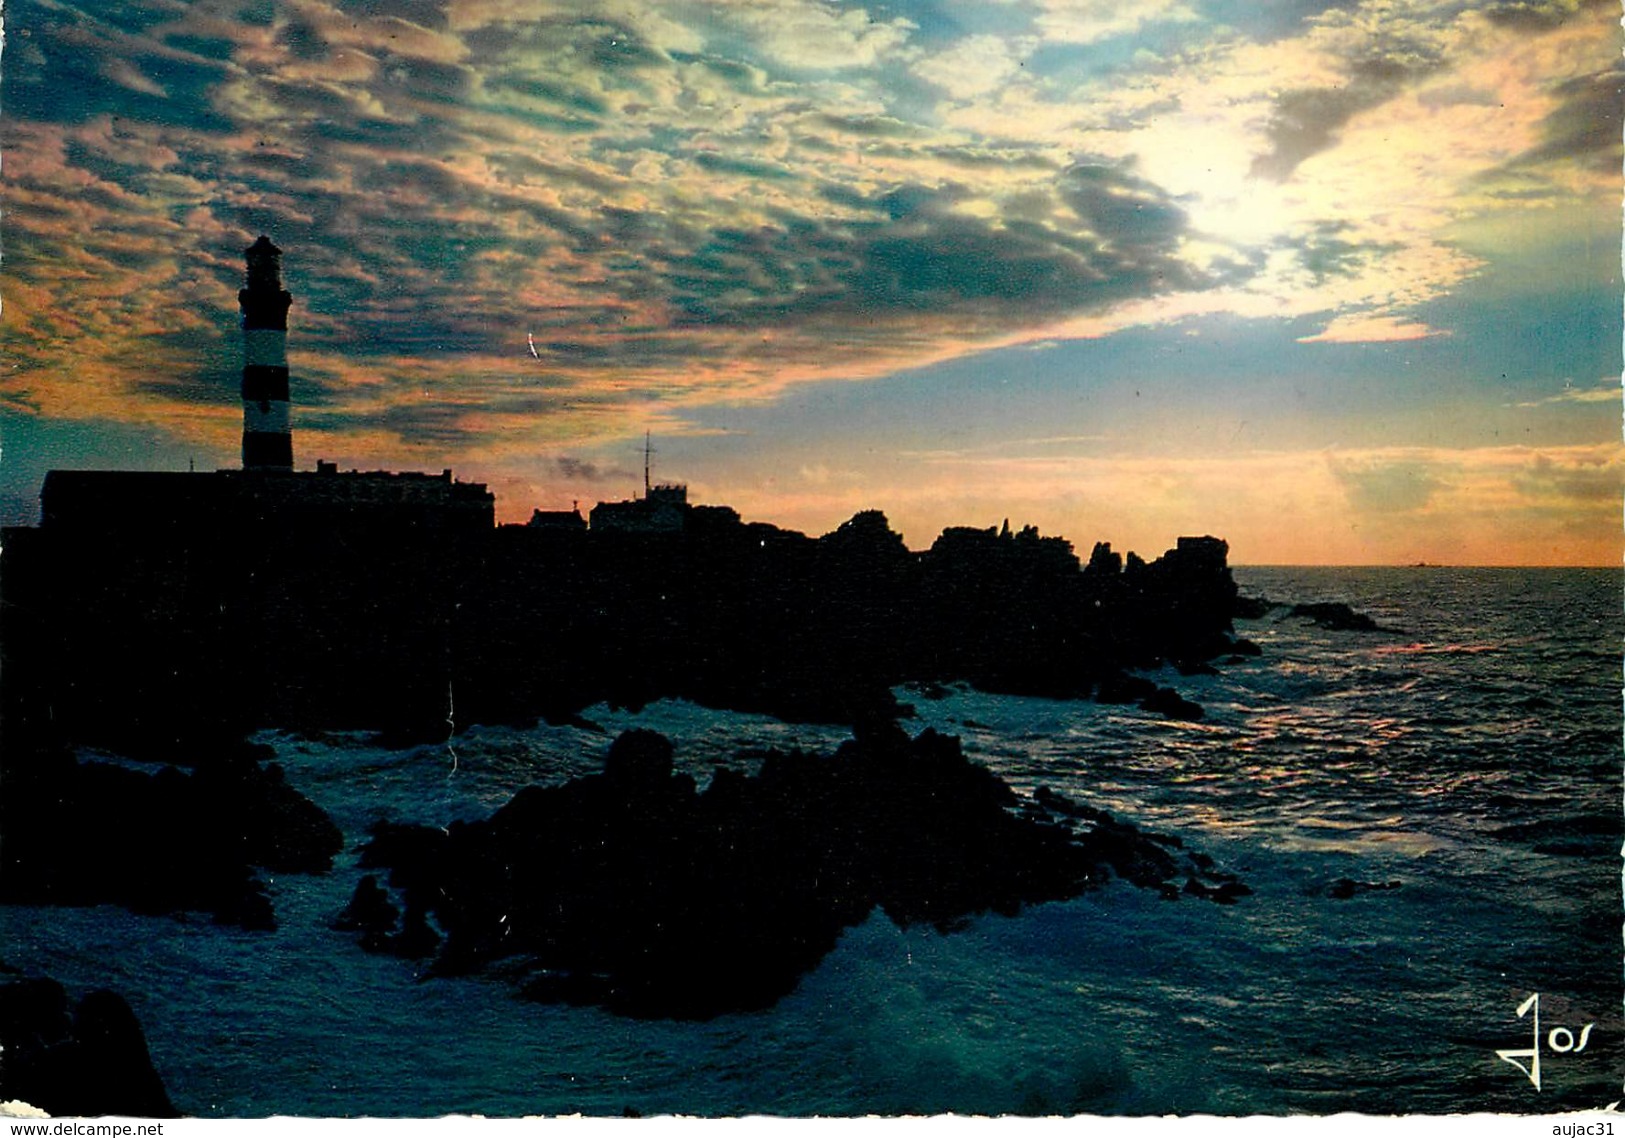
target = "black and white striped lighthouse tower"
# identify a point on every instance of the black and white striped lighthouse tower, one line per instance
(267, 440)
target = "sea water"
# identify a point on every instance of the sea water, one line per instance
(1467, 759)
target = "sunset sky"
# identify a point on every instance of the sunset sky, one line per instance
(1337, 282)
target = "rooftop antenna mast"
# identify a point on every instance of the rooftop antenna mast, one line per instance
(647, 451)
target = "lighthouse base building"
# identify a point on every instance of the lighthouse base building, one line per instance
(190, 605)
(178, 608)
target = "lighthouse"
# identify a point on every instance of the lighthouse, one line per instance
(267, 440)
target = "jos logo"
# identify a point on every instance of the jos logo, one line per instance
(1559, 1040)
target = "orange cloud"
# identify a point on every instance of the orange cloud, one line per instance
(1373, 328)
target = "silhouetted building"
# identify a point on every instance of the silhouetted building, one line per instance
(562, 521)
(662, 509)
(182, 508)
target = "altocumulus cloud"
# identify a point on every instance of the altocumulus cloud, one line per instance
(444, 176)
(915, 253)
(681, 201)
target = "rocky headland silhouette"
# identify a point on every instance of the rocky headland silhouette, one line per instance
(166, 617)
(751, 617)
(173, 639)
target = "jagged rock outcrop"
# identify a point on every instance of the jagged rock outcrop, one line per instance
(635, 890)
(370, 910)
(86, 1058)
(85, 833)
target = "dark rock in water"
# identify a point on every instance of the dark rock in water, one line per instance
(639, 758)
(1571, 848)
(1577, 835)
(1336, 616)
(194, 847)
(115, 1060)
(1244, 647)
(1166, 701)
(1141, 858)
(370, 909)
(1058, 804)
(1120, 688)
(33, 1010)
(281, 829)
(1344, 888)
(248, 909)
(1221, 892)
(395, 844)
(89, 1060)
(1606, 826)
(1252, 608)
(372, 914)
(416, 940)
(634, 890)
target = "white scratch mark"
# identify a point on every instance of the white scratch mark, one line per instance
(530, 342)
(451, 722)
